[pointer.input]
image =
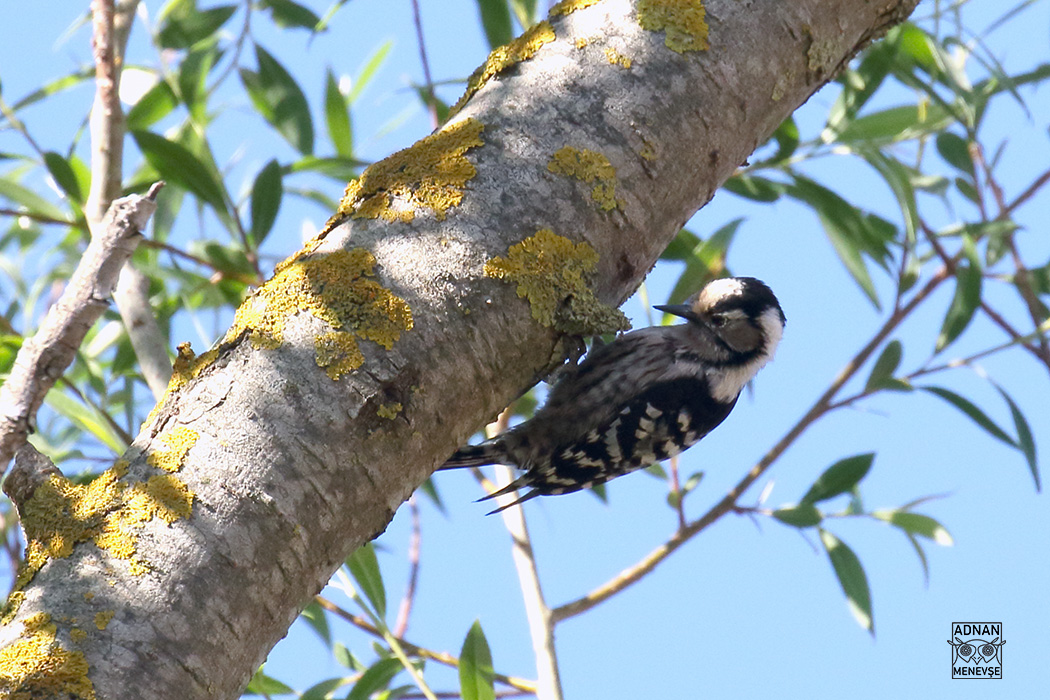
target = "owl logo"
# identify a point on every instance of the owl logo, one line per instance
(976, 657)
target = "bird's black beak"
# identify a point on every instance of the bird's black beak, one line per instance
(681, 310)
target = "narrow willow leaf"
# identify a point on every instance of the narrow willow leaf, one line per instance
(182, 25)
(324, 689)
(975, 414)
(280, 100)
(158, 102)
(315, 616)
(64, 176)
(495, 18)
(916, 524)
(955, 151)
(261, 684)
(888, 362)
(86, 418)
(364, 567)
(964, 304)
(802, 515)
(178, 165)
(894, 124)
(475, 666)
(852, 578)
(839, 478)
(267, 191)
(705, 262)
(337, 117)
(1025, 441)
(368, 72)
(34, 203)
(921, 553)
(291, 15)
(525, 11)
(377, 677)
(682, 247)
(757, 189)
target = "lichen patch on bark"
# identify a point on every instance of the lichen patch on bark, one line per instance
(502, 58)
(588, 166)
(554, 275)
(38, 666)
(682, 21)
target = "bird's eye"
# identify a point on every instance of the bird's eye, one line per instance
(718, 320)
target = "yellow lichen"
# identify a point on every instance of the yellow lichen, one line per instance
(520, 49)
(77, 635)
(102, 619)
(582, 42)
(553, 274)
(178, 442)
(37, 665)
(339, 288)
(567, 7)
(588, 166)
(429, 174)
(682, 20)
(106, 511)
(617, 59)
(390, 410)
(337, 353)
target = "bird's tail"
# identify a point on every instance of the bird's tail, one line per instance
(488, 452)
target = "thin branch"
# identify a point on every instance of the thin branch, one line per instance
(727, 504)
(32, 216)
(1034, 188)
(440, 657)
(429, 80)
(541, 620)
(43, 358)
(405, 610)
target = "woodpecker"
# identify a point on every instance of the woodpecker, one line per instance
(642, 398)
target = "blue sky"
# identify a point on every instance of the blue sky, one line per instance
(741, 611)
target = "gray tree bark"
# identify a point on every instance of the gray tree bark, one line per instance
(259, 473)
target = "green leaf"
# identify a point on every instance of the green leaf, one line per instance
(324, 689)
(369, 70)
(429, 488)
(525, 11)
(337, 117)
(158, 102)
(182, 25)
(86, 418)
(291, 15)
(956, 152)
(261, 684)
(315, 616)
(706, 262)
(281, 102)
(802, 515)
(364, 567)
(852, 578)
(475, 666)
(682, 247)
(895, 124)
(53, 88)
(916, 524)
(975, 414)
(755, 188)
(495, 18)
(377, 677)
(192, 78)
(967, 299)
(34, 203)
(1025, 441)
(267, 191)
(178, 165)
(840, 477)
(888, 362)
(62, 171)
(342, 656)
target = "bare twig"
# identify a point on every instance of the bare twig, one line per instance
(541, 620)
(405, 610)
(727, 504)
(44, 357)
(429, 81)
(440, 657)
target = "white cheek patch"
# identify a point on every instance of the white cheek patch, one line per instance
(727, 384)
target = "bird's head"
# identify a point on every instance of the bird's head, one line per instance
(741, 315)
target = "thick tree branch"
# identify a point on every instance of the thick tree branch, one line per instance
(44, 357)
(296, 438)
